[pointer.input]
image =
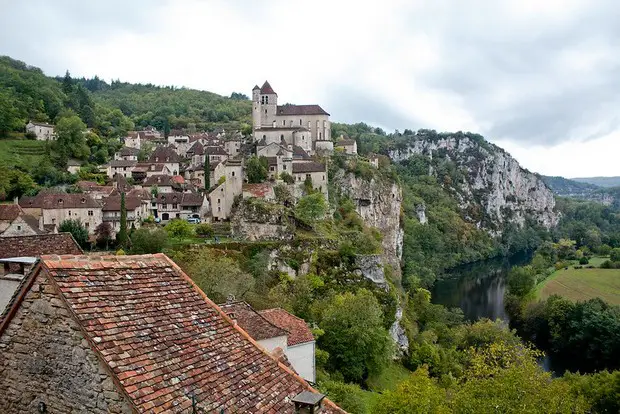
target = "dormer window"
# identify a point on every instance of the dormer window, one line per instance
(83, 200)
(60, 202)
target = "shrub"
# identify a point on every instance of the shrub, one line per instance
(584, 261)
(120, 252)
(576, 267)
(287, 178)
(147, 240)
(607, 265)
(204, 230)
(77, 230)
(179, 229)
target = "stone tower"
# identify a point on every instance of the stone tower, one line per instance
(265, 104)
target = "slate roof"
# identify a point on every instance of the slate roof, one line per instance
(9, 212)
(113, 203)
(196, 149)
(48, 200)
(122, 163)
(251, 321)
(125, 151)
(215, 151)
(345, 142)
(299, 152)
(297, 328)
(42, 124)
(160, 180)
(164, 154)
(290, 109)
(307, 167)
(163, 339)
(267, 89)
(40, 244)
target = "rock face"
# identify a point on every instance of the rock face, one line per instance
(371, 267)
(378, 203)
(256, 219)
(398, 334)
(493, 188)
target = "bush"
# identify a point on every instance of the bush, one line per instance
(287, 178)
(77, 230)
(576, 267)
(179, 229)
(584, 261)
(204, 230)
(147, 240)
(120, 252)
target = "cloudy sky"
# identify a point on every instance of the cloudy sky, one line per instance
(539, 78)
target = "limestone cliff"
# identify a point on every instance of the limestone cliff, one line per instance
(491, 187)
(378, 201)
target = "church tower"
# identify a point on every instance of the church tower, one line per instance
(267, 105)
(256, 109)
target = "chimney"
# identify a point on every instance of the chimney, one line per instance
(307, 402)
(41, 226)
(16, 200)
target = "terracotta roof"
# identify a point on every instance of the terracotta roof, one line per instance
(251, 321)
(260, 190)
(297, 328)
(267, 89)
(48, 200)
(163, 340)
(9, 212)
(113, 203)
(290, 109)
(178, 179)
(308, 166)
(34, 246)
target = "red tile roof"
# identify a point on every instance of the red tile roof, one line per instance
(297, 328)
(9, 212)
(267, 89)
(34, 246)
(290, 109)
(251, 321)
(163, 339)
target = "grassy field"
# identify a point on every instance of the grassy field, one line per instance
(21, 152)
(583, 284)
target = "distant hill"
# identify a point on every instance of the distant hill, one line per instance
(570, 188)
(600, 181)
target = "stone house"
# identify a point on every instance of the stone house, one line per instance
(94, 189)
(167, 156)
(163, 183)
(58, 207)
(127, 154)
(27, 225)
(316, 172)
(221, 198)
(73, 166)
(132, 140)
(170, 206)
(276, 328)
(122, 167)
(137, 210)
(301, 125)
(215, 153)
(18, 254)
(43, 131)
(348, 146)
(232, 147)
(162, 345)
(8, 213)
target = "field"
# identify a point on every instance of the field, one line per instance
(583, 284)
(21, 152)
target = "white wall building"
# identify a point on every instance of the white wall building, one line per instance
(43, 131)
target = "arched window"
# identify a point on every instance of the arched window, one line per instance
(233, 173)
(281, 136)
(320, 136)
(300, 122)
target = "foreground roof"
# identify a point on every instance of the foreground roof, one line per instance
(251, 321)
(38, 245)
(9, 212)
(164, 340)
(298, 330)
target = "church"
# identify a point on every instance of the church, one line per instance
(305, 126)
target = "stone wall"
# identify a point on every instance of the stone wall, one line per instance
(44, 357)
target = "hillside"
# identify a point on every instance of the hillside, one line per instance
(570, 188)
(600, 181)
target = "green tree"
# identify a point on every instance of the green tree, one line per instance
(70, 140)
(207, 171)
(148, 240)
(256, 170)
(104, 233)
(417, 394)
(311, 208)
(355, 338)
(614, 255)
(77, 230)
(121, 237)
(521, 281)
(204, 230)
(218, 276)
(179, 229)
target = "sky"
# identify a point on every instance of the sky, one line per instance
(539, 78)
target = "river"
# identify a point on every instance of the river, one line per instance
(478, 288)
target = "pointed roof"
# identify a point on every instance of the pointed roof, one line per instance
(161, 337)
(255, 87)
(267, 89)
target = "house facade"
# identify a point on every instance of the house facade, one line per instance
(58, 207)
(43, 131)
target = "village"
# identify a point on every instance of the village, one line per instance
(172, 183)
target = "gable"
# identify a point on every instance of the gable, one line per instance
(51, 360)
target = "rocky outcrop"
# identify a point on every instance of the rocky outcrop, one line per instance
(371, 267)
(491, 187)
(256, 219)
(378, 202)
(398, 335)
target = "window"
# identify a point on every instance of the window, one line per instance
(69, 213)
(174, 206)
(232, 173)
(264, 136)
(281, 136)
(19, 227)
(284, 167)
(265, 112)
(283, 122)
(266, 99)
(218, 201)
(90, 212)
(323, 177)
(300, 122)
(87, 224)
(272, 168)
(53, 221)
(219, 209)
(164, 206)
(290, 123)
(324, 124)
(308, 176)
(320, 135)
